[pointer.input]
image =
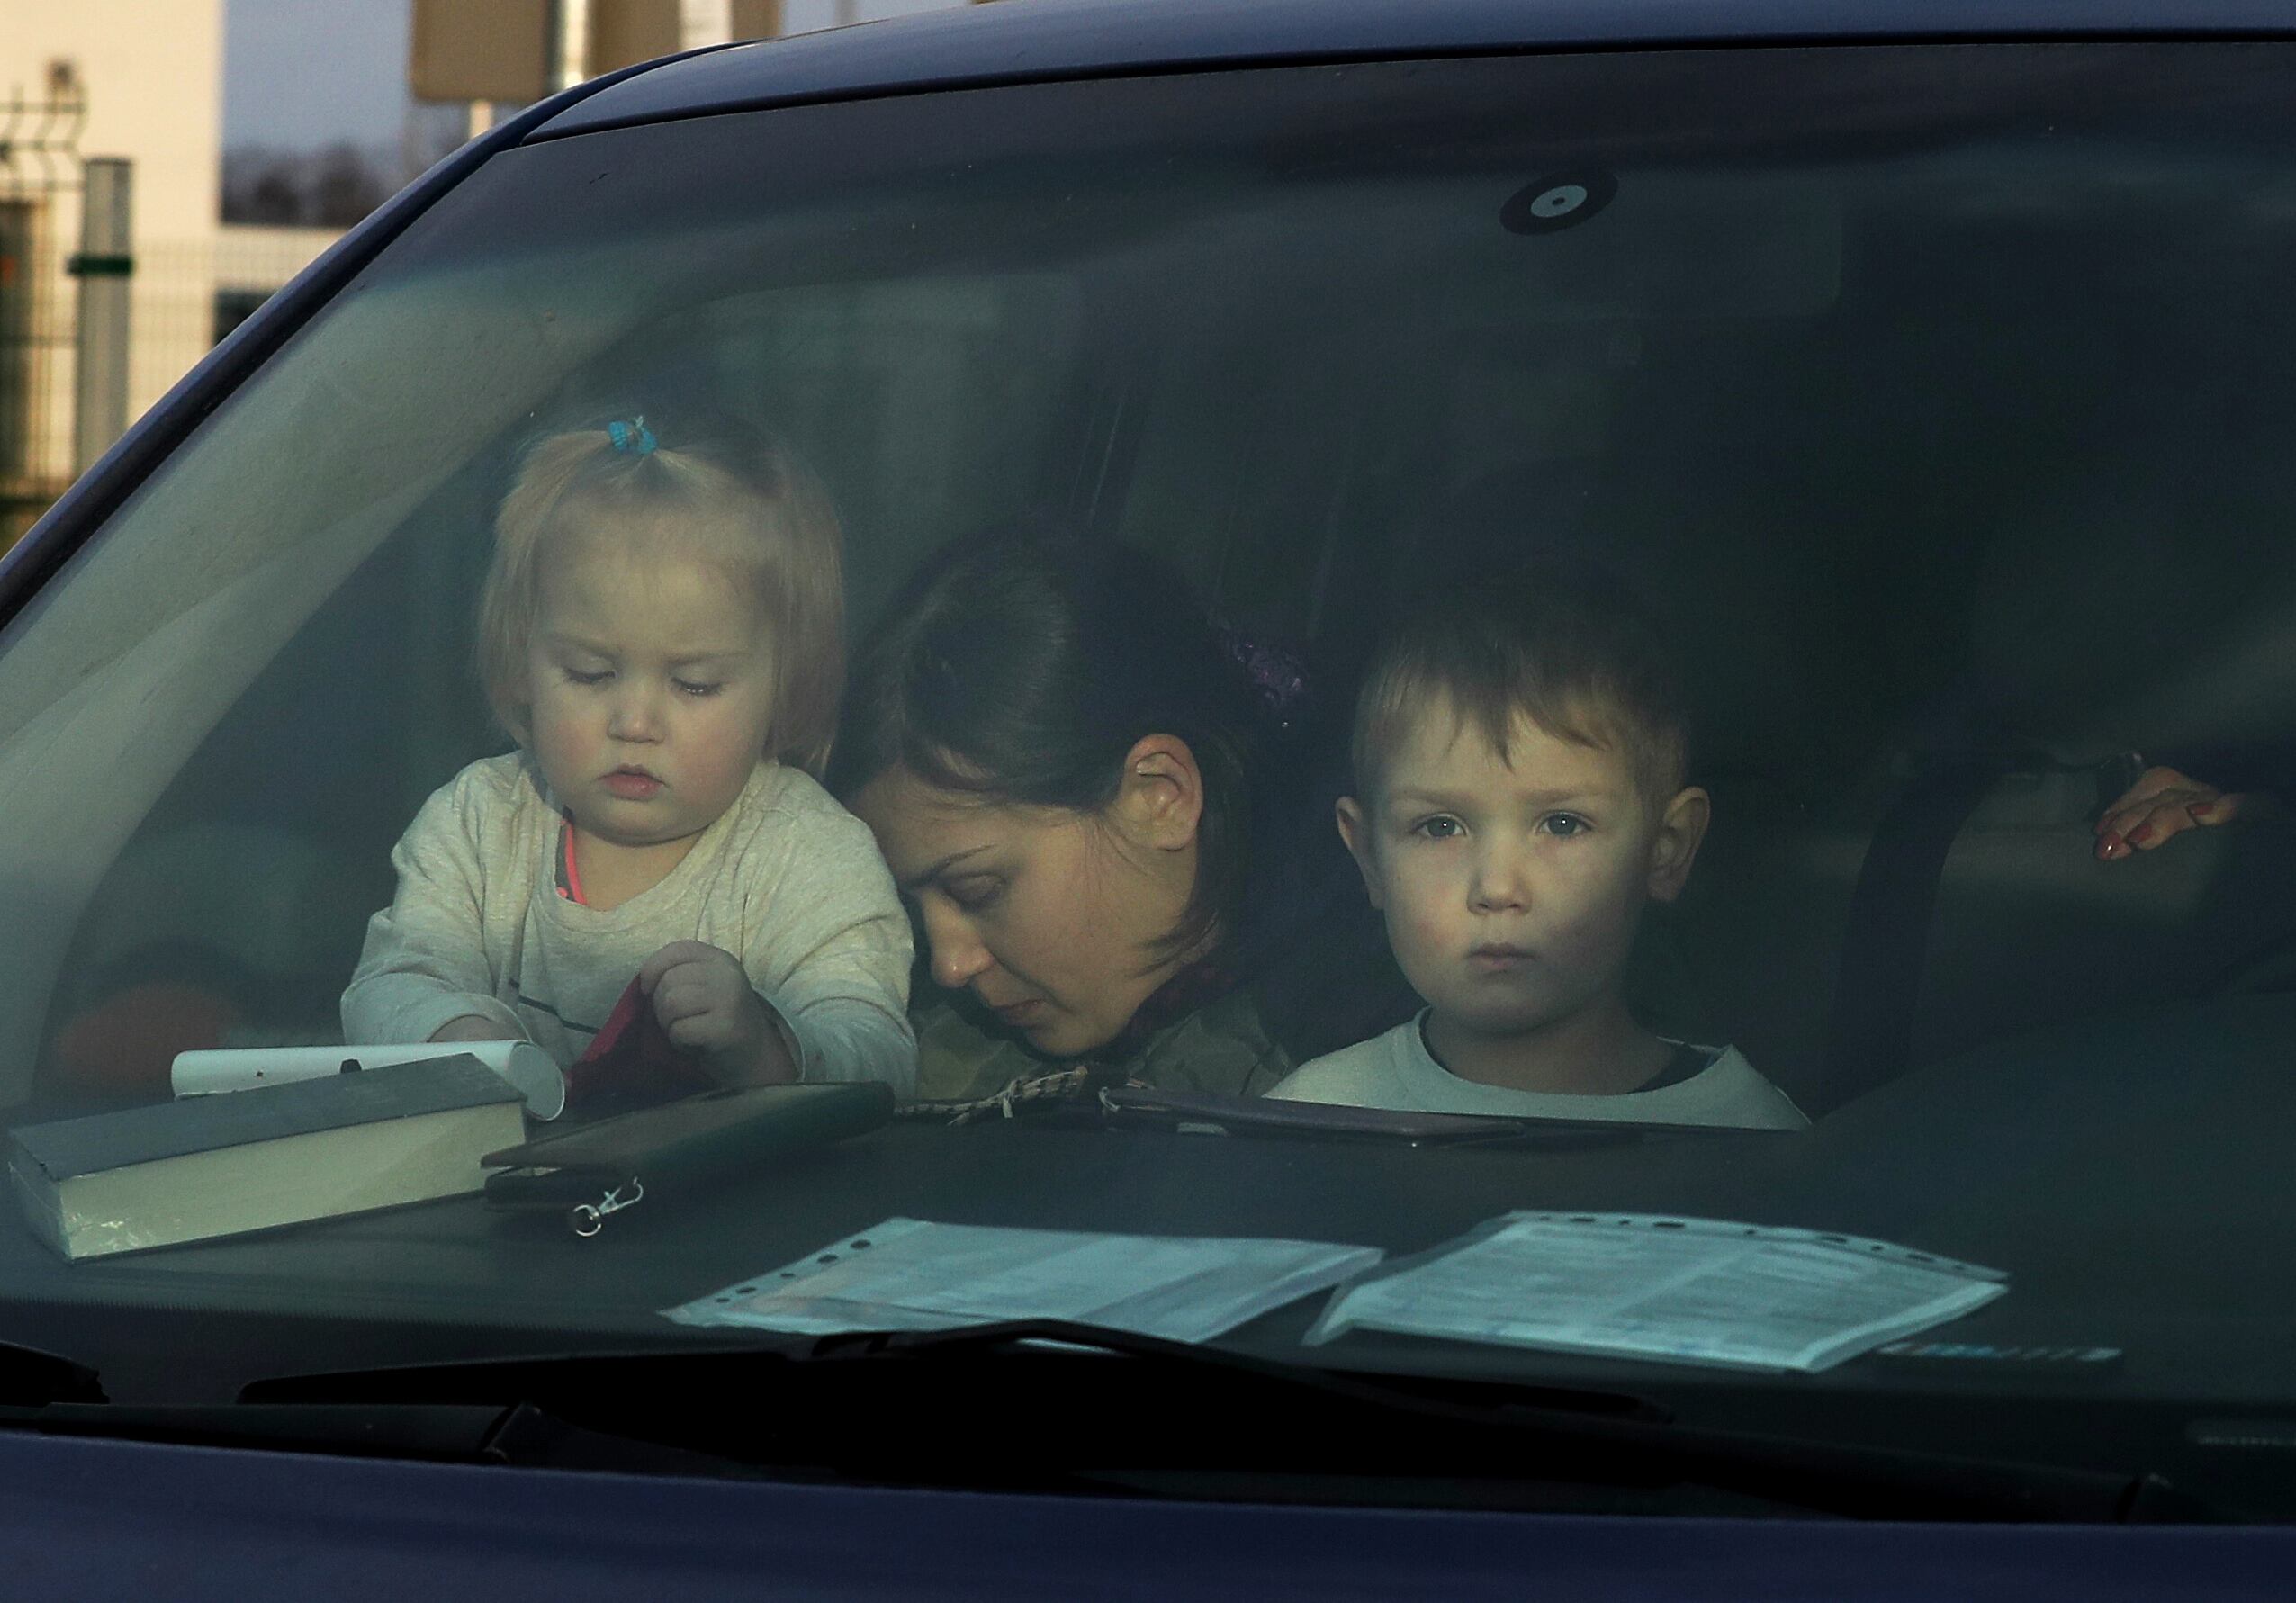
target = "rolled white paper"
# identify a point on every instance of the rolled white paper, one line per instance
(522, 1064)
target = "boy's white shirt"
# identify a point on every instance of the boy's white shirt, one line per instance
(1396, 1071)
(785, 880)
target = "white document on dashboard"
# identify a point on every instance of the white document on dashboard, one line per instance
(911, 1275)
(1684, 1291)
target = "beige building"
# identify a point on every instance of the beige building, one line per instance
(142, 80)
(129, 78)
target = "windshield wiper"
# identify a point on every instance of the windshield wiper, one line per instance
(1017, 1405)
(31, 1377)
(449, 1433)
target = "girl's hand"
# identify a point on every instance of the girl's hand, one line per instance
(2161, 803)
(704, 1003)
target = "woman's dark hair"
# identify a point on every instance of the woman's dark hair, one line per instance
(1022, 666)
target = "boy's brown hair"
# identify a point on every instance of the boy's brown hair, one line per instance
(1572, 654)
(735, 498)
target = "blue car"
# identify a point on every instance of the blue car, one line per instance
(1670, 969)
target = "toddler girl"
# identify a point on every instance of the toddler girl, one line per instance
(660, 632)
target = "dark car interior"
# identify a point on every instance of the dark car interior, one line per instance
(1934, 402)
(1944, 553)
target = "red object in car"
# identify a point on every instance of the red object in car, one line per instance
(632, 1057)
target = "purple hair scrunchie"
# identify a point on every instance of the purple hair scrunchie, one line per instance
(1276, 673)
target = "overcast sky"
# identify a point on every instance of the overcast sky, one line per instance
(312, 72)
(307, 73)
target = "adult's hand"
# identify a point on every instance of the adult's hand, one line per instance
(2163, 803)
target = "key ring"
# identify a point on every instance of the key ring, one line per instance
(587, 1218)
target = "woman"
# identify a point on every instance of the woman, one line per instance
(1092, 802)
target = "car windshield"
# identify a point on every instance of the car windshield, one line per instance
(1924, 407)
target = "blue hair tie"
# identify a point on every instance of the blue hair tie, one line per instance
(633, 436)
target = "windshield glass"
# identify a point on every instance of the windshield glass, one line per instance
(1730, 609)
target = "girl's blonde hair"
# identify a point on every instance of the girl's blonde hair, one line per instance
(736, 499)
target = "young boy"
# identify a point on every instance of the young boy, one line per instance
(1519, 752)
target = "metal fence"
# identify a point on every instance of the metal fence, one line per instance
(182, 296)
(40, 187)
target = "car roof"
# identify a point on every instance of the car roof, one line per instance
(1022, 40)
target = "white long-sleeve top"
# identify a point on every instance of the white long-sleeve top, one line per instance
(786, 880)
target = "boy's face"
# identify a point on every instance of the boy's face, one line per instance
(1512, 890)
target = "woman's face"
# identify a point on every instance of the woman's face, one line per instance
(1050, 917)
